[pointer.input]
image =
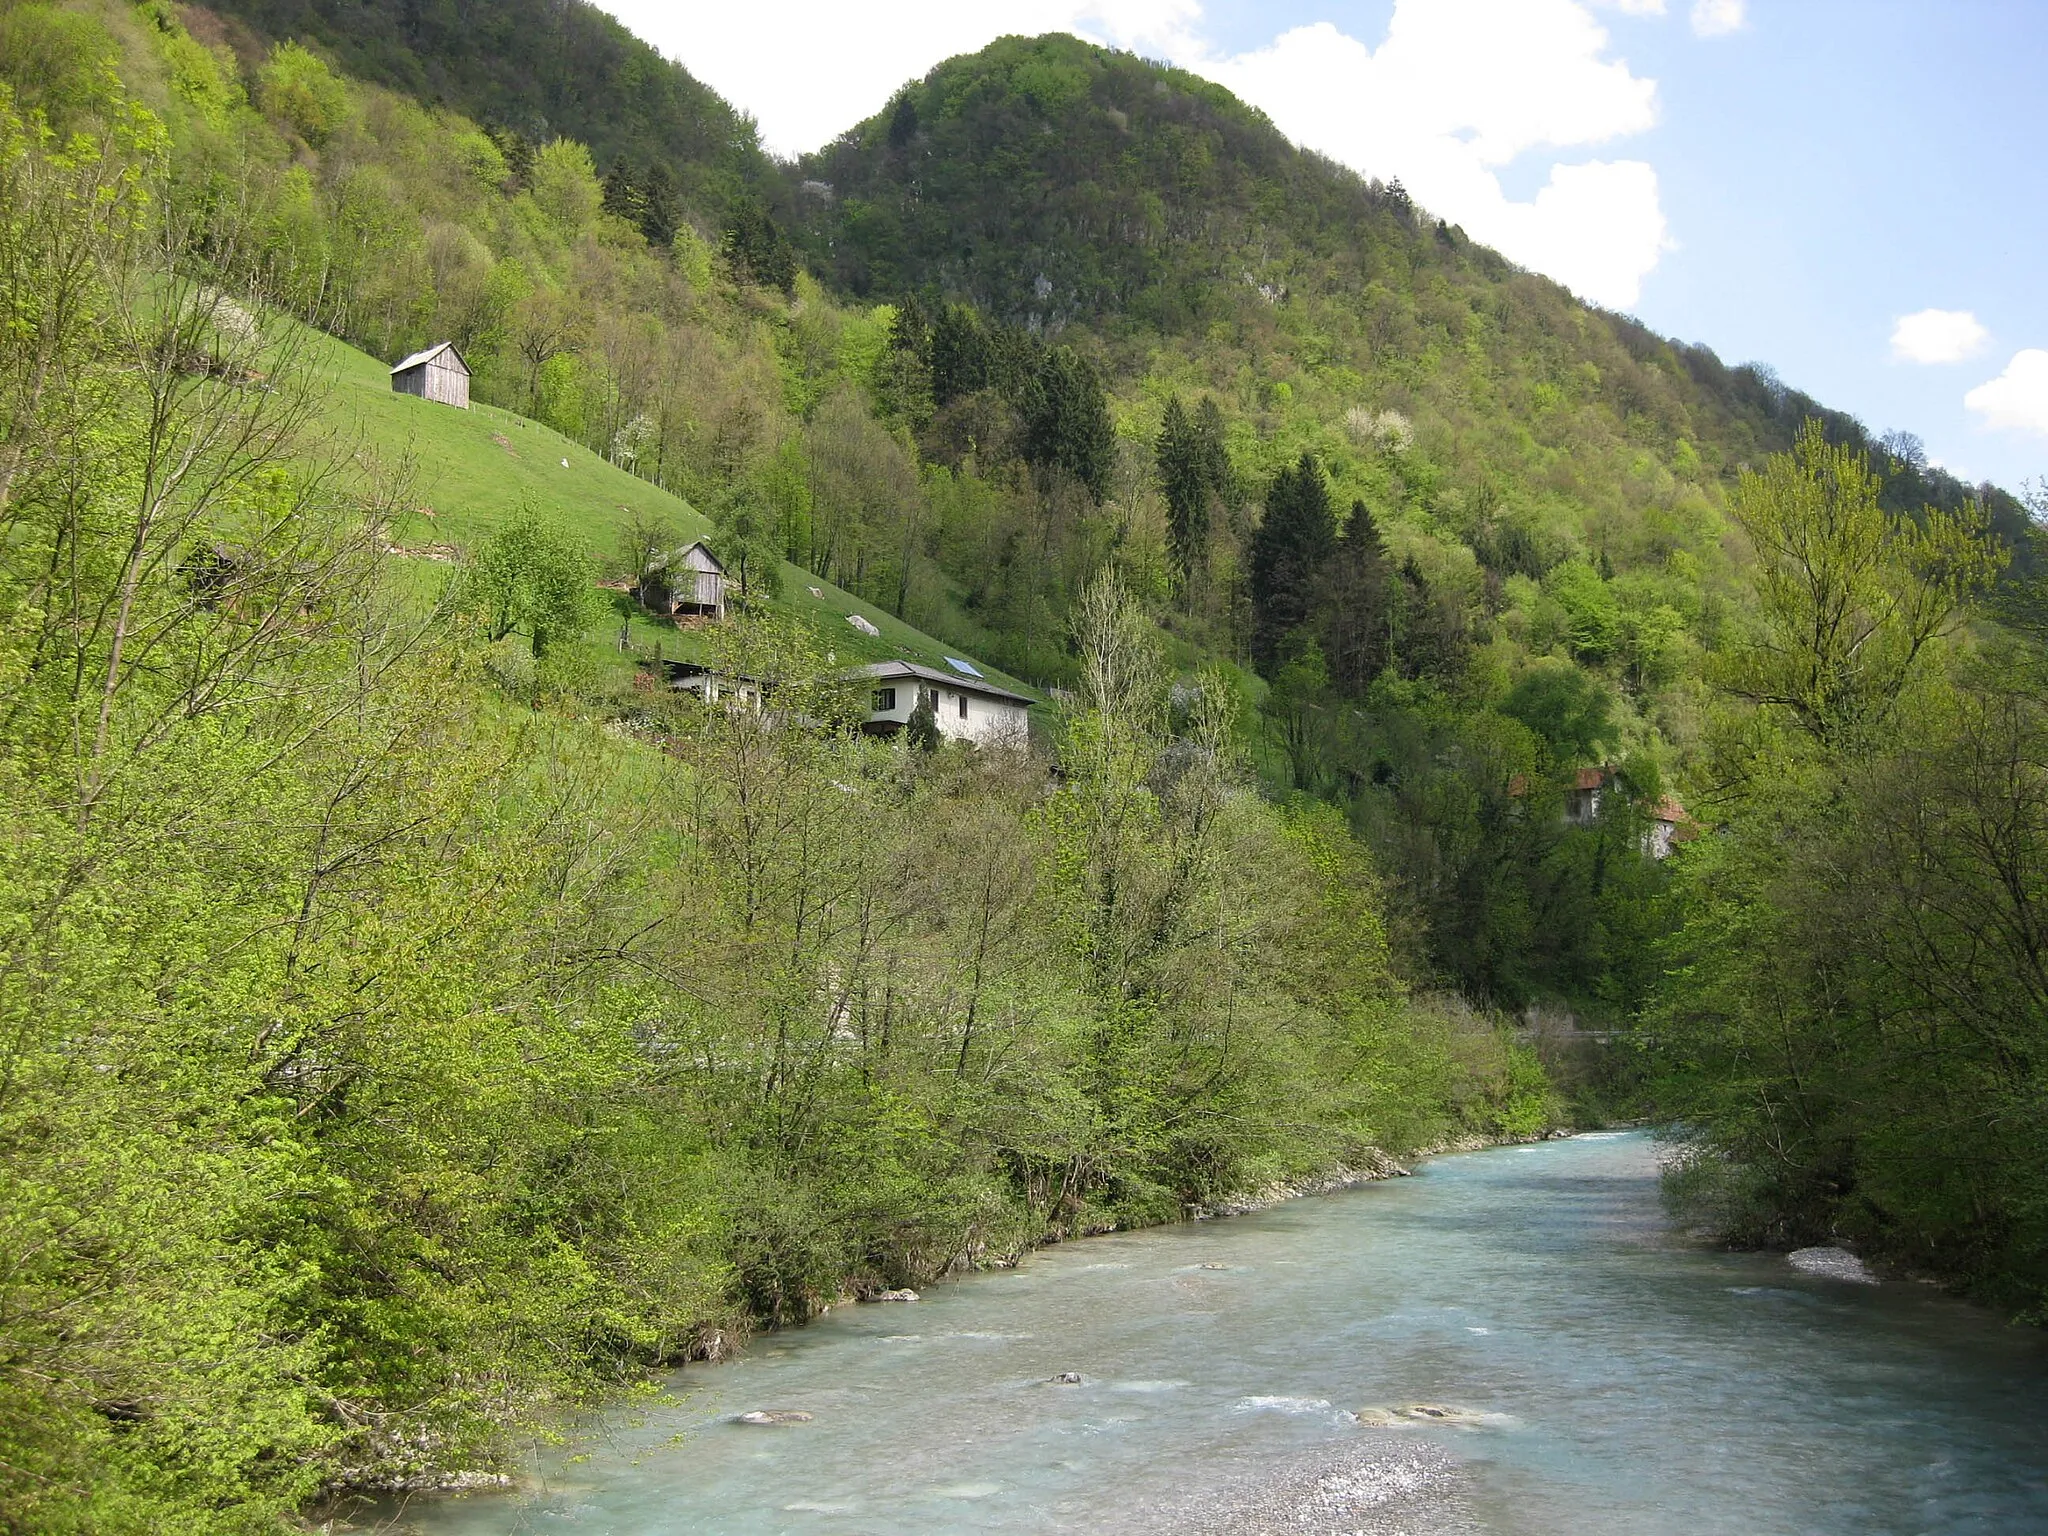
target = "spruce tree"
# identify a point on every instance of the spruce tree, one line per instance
(1184, 479)
(903, 122)
(1353, 613)
(621, 197)
(660, 213)
(959, 353)
(1066, 421)
(1215, 457)
(1293, 541)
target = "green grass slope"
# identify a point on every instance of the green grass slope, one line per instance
(471, 472)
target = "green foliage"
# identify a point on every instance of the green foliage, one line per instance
(59, 63)
(1569, 710)
(744, 537)
(1850, 1028)
(1297, 535)
(756, 250)
(298, 89)
(528, 578)
(564, 185)
(1849, 595)
(1193, 474)
(1066, 420)
(528, 63)
(921, 733)
(394, 1054)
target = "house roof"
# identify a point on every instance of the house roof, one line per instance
(1590, 778)
(662, 562)
(428, 356)
(682, 672)
(1668, 809)
(881, 670)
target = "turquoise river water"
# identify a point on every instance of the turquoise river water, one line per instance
(1612, 1379)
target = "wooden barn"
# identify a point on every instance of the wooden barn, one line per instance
(688, 584)
(438, 374)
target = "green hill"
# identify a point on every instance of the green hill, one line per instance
(539, 69)
(398, 1053)
(1070, 188)
(474, 471)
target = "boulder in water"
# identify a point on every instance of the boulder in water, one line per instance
(1437, 1413)
(903, 1295)
(1380, 1418)
(1067, 1379)
(775, 1416)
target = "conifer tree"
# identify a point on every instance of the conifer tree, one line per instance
(1353, 612)
(661, 210)
(1184, 480)
(1288, 552)
(1215, 457)
(1066, 420)
(923, 730)
(1429, 628)
(903, 122)
(959, 353)
(756, 249)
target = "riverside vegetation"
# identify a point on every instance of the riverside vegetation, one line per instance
(410, 1024)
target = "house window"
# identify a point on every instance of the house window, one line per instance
(885, 698)
(963, 706)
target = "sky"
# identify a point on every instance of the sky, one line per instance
(1852, 191)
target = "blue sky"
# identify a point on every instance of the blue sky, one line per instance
(1784, 180)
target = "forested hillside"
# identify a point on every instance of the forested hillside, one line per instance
(415, 1018)
(538, 70)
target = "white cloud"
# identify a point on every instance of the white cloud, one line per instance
(810, 69)
(1456, 91)
(2017, 400)
(1717, 18)
(1937, 336)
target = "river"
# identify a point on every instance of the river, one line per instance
(1619, 1382)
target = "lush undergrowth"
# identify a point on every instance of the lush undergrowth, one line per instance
(387, 1059)
(412, 1019)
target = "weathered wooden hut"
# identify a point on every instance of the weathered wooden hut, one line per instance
(687, 584)
(438, 374)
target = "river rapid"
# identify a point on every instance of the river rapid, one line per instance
(1609, 1378)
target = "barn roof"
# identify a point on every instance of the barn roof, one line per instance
(663, 561)
(881, 670)
(418, 358)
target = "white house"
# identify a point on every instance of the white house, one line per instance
(1582, 800)
(966, 706)
(438, 374)
(693, 580)
(1669, 827)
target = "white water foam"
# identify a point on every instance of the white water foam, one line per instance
(1284, 1404)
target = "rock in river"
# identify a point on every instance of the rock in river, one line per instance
(775, 1416)
(904, 1295)
(1422, 1413)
